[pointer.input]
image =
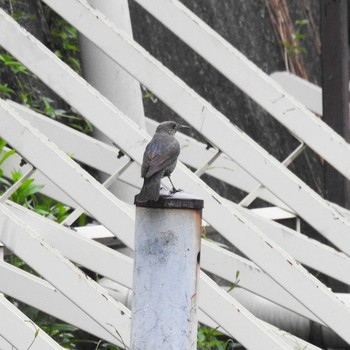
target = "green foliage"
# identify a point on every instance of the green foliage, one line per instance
(5, 91)
(235, 283)
(25, 194)
(63, 39)
(3, 156)
(15, 66)
(294, 48)
(29, 196)
(64, 334)
(211, 339)
(19, 84)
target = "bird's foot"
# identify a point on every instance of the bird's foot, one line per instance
(175, 190)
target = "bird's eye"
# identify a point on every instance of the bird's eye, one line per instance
(173, 126)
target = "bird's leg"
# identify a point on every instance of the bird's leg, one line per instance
(174, 190)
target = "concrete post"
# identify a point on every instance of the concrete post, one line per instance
(166, 266)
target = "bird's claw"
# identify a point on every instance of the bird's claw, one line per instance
(174, 190)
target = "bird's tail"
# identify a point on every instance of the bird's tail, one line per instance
(150, 189)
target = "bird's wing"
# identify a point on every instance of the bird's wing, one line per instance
(159, 154)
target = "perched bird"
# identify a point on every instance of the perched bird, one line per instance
(159, 160)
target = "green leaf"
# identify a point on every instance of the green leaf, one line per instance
(301, 22)
(298, 36)
(64, 327)
(7, 155)
(16, 175)
(5, 91)
(2, 144)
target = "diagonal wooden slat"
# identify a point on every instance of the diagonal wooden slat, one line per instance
(310, 95)
(4, 345)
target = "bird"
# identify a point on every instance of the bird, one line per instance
(159, 160)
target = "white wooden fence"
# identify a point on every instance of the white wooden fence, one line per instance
(276, 254)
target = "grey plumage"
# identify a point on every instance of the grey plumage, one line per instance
(159, 160)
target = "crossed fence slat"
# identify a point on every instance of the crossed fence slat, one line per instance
(254, 241)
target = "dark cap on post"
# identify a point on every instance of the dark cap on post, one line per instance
(178, 200)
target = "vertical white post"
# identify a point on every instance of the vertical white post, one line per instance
(166, 266)
(112, 81)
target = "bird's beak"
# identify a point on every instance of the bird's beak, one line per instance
(184, 127)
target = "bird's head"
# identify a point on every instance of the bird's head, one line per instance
(169, 127)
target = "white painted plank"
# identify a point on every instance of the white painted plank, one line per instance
(40, 294)
(254, 242)
(4, 345)
(202, 116)
(20, 331)
(75, 285)
(310, 95)
(252, 80)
